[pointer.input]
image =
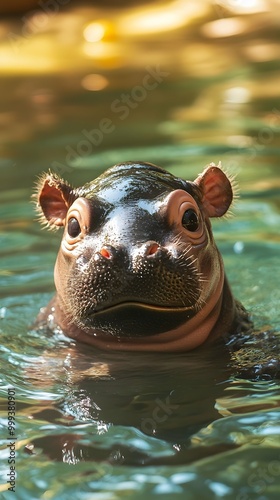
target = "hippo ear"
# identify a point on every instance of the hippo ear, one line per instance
(217, 192)
(53, 198)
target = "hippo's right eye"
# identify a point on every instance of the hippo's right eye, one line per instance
(73, 227)
(190, 220)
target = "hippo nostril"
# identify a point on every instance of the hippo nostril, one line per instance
(152, 248)
(105, 253)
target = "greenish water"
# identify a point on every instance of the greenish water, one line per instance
(110, 426)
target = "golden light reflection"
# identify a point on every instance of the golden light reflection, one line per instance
(237, 95)
(94, 32)
(41, 43)
(221, 28)
(28, 58)
(144, 20)
(107, 53)
(244, 6)
(94, 82)
(260, 52)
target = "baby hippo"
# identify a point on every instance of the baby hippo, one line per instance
(138, 268)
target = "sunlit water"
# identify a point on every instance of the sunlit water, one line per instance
(110, 425)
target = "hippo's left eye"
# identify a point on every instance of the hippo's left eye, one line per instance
(190, 220)
(73, 227)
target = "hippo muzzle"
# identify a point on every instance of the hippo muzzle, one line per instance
(138, 267)
(138, 292)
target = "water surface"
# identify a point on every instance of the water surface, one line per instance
(110, 425)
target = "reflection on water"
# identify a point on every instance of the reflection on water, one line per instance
(180, 84)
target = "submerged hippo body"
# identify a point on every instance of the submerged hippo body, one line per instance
(138, 268)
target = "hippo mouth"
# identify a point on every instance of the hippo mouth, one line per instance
(137, 319)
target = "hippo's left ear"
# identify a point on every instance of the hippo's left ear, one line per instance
(53, 198)
(216, 188)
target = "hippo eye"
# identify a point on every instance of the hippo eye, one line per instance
(190, 220)
(73, 227)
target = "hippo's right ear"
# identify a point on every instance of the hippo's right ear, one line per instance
(216, 189)
(53, 198)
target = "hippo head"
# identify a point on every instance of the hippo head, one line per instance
(137, 260)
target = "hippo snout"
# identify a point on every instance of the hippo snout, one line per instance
(148, 249)
(148, 274)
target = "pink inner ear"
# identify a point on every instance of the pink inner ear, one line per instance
(53, 204)
(217, 191)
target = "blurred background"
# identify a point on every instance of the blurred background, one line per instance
(180, 83)
(87, 84)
